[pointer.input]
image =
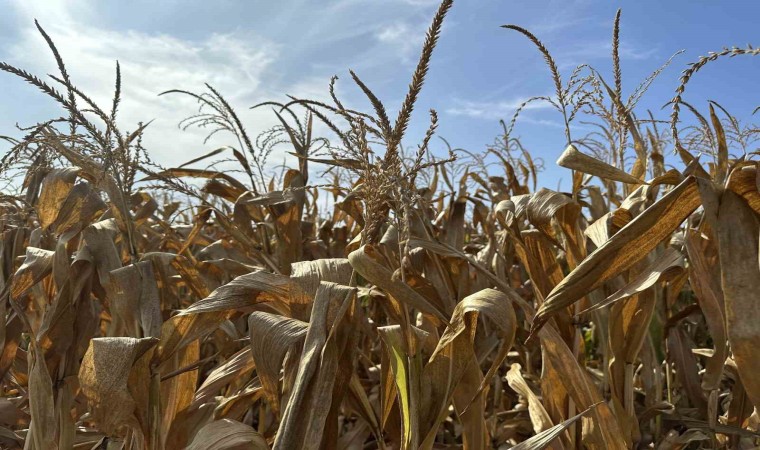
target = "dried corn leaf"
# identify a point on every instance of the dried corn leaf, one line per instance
(272, 336)
(605, 431)
(664, 268)
(630, 245)
(740, 274)
(545, 438)
(55, 188)
(42, 429)
(246, 290)
(135, 299)
(196, 173)
(705, 280)
(366, 261)
(236, 366)
(227, 434)
(319, 375)
(105, 379)
(538, 415)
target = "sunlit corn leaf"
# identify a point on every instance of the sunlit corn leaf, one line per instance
(404, 368)
(463, 378)
(55, 188)
(538, 415)
(604, 430)
(631, 244)
(572, 158)
(308, 275)
(245, 291)
(81, 205)
(720, 138)
(38, 263)
(178, 383)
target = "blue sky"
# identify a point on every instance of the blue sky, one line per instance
(260, 50)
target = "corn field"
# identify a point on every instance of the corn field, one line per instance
(375, 297)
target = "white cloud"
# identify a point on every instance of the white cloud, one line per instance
(394, 32)
(150, 64)
(405, 39)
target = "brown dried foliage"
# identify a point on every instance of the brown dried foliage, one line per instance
(433, 304)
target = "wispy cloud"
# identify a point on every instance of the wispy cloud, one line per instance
(562, 16)
(591, 51)
(536, 121)
(421, 2)
(603, 49)
(416, 3)
(556, 23)
(492, 110)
